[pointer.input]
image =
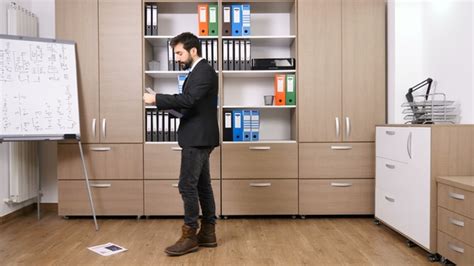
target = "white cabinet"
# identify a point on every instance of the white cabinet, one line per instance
(403, 181)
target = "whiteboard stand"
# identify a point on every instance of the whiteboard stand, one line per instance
(84, 168)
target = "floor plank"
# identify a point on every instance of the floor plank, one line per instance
(243, 241)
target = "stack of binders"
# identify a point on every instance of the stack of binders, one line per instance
(285, 89)
(236, 54)
(207, 19)
(236, 20)
(161, 126)
(208, 51)
(151, 19)
(241, 125)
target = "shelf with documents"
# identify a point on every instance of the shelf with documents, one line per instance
(262, 142)
(254, 73)
(162, 41)
(266, 40)
(260, 107)
(164, 73)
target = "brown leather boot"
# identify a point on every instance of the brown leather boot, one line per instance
(207, 235)
(186, 244)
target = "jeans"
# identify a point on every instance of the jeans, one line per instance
(195, 186)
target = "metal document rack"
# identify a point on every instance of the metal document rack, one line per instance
(431, 108)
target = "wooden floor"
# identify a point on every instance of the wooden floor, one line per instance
(275, 241)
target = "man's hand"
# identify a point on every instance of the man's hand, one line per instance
(149, 98)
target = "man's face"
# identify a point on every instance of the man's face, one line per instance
(184, 57)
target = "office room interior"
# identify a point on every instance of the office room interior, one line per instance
(346, 132)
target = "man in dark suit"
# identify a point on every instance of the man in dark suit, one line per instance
(198, 134)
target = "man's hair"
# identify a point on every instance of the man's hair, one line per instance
(188, 40)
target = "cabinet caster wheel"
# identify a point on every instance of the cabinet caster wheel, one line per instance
(377, 222)
(66, 217)
(293, 217)
(303, 217)
(410, 244)
(434, 257)
(225, 218)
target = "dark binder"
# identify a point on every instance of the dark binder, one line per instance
(237, 54)
(148, 19)
(170, 57)
(226, 21)
(154, 19)
(228, 122)
(154, 125)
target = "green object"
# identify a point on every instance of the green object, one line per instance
(213, 20)
(290, 94)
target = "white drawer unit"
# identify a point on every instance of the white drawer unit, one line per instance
(408, 160)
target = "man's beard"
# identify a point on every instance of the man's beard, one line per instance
(186, 65)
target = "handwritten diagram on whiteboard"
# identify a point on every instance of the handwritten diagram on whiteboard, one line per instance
(38, 88)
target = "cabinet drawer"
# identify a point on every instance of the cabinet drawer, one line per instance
(455, 250)
(391, 175)
(104, 161)
(259, 161)
(162, 197)
(403, 144)
(337, 160)
(456, 225)
(163, 161)
(248, 197)
(110, 197)
(346, 196)
(456, 200)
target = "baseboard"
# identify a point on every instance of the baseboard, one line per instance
(45, 207)
(20, 212)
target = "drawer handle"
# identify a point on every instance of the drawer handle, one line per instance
(174, 185)
(389, 199)
(176, 148)
(390, 132)
(456, 196)
(390, 166)
(341, 147)
(101, 185)
(456, 222)
(456, 248)
(260, 184)
(259, 148)
(101, 149)
(341, 184)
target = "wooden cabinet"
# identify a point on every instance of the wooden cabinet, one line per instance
(109, 55)
(78, 21)
(120, 65)
(342, 94)
(456, 218)
(408, 161)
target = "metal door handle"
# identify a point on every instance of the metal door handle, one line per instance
(390, 166)
(389, 199)
(104, 133)
(409, 145)
(93, 126)
(338, 127)
(101, 149)
(176, 148)
(456, 248)
(174, 185)
(101, 185)
(390, 132)
(348, 127)
(456, 222)
(259, 148)
(341, 184)
(334, 147)
(456, 196)
(260, 184)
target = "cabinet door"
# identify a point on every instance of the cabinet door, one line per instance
(77, 21)
(120, 44)
(363, 68)
(319, 70)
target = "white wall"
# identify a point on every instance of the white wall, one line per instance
(45, 10)
(430, 38)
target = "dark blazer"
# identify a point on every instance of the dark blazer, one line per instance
(198, 104)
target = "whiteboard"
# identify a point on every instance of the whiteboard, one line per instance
(38, 88)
